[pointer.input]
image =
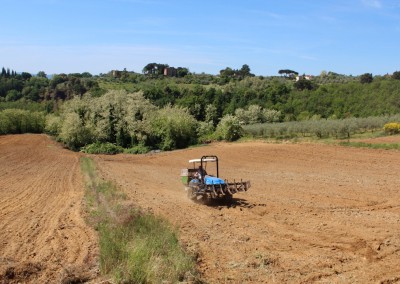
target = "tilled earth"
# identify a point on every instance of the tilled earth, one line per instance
(43, 236)
(314, 213)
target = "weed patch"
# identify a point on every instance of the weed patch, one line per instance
(135, 246)
(385, 146)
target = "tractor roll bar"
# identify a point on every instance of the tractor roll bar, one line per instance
(202, 160)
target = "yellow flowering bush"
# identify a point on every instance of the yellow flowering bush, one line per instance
(392, 128)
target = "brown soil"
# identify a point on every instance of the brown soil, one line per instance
(314, 213)
(43, 237)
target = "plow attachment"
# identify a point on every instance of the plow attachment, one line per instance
(213, 191)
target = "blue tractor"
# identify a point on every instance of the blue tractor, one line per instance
(201, 185)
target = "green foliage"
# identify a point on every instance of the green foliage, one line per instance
(74, 132)
(205, 131)
(23, 104)
(41, 74)
(17, 121)
(135, 247)
(229, 128)
(256, 114)
(234, 73)
(323, 128)
(173, 128)
(210, 97)
(144, 250)
(39, 88)
(288, 72)
(102, 148)
(331, 94)
(154, 69)
(211, 114)
(366, 78)
(385, 146)
(304, 84)
(123, 118)
(13, 95)
(396, 75)
(53, 124)
(138, 149)
(271, 115)
(116, 117)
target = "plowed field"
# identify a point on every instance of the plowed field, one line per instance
(43, 237)
(314, 213)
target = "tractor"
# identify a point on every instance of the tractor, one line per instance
(201, 185)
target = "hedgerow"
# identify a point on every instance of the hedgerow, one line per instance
(17, 121)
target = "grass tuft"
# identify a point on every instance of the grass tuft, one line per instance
(135, 246)
(385, 146)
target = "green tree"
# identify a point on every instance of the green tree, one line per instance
(366, 78)
(288, 72)
(41, 74)
(26, 76)
(396, 75)
(173, 128)
(74, 132)
(211, 114)
(229, 128)
(154, 69)
(13, 95)
(304, 84)
(227, 72)
(245, 71)
(182, 72)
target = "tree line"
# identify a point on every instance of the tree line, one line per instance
(214, 107)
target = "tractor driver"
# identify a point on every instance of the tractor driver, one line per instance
(201, 173)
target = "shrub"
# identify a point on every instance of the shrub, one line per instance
(138, 149)
(75, 133)
(271, 115)
(392, 128)
(116, 117)
(205, 131)
(16, 121)
(242, 116)
(102, 148)
(255, 114)
(134, 246)
(229, 128)
(173, 128)
(53, 124)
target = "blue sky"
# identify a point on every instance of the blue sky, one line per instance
(64, 36)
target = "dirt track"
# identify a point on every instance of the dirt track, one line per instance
(43, 237)
(314, 213)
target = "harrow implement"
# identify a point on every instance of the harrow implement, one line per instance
(199, 184)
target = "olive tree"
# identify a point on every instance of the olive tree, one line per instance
(173, 128)
(116, 117)
(229, 128)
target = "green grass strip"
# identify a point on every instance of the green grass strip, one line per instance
(135, 247)
(385, 146)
